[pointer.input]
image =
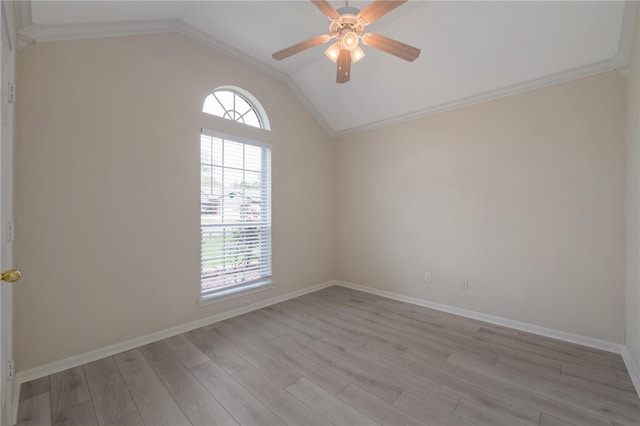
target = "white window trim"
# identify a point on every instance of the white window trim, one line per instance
(240, 290)
(234, 292)
(233, 137)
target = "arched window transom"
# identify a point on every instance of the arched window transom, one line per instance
(235, 104)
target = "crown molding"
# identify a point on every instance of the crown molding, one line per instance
(501, 92)
(46, 33)
(42, 33)
(225, 48)
(627, 28)
(23, 14)
(23, 42)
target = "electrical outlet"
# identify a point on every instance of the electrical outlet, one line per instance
(427, 277)
(465, 285)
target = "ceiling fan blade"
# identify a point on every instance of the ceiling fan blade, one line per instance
(326, 8)
(378, 8)
(297, 48)
(396, 48)
(344, 66)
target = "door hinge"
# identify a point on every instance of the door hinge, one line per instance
(11, 95)
(10, 370)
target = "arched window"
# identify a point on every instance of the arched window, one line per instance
(235, 200)
(236, 104)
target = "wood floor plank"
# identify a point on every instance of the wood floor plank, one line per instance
(375, 328)
(547, 420)
(296, 313)
(577, 386)
(34, 388)
(154, 403)
(392, 318)
(547, 348)
(531, 361)
(293, 332)
(297, 362)
(623, 377)
(595, 355)
(196, 402)
(186, 351)
(323, 316)
(131, 420)
(330, 407)
(481, 416)
(460, 338)
(346, 321)
(380, 347)
(302, 332)
(243, 406)
(490, 391)
(349, 371)
(280, 402)
(268, 329)
(375, 408)
(79, 415)
(604, 377)
(272, 368)
(482, 396)
(156, 351)
(215, 349)
(428, 414)
(401, 309)
(382, 373)
(496, 329)
(68, 388)
(519, 378)
(342, 356)
(35, 411)
(111, 399)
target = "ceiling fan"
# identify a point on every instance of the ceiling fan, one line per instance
(347, 26)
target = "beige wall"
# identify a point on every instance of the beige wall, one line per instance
(632, 296)
(523, 196)
(107, 189)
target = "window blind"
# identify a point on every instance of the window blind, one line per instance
(235, 212)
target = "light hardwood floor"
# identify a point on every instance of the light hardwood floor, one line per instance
(342, 357)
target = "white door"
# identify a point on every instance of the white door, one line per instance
(6, 219)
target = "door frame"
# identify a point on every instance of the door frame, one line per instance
(8, 401)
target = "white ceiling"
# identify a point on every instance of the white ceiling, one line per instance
(471, 51)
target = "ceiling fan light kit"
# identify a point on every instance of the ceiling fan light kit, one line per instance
(334, 51)
(347, 25)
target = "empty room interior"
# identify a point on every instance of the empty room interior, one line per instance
(320, 213)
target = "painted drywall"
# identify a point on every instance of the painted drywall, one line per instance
(632, 273)
(522, 196)
(107, 189)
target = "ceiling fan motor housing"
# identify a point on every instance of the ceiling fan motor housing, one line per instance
(347, 22)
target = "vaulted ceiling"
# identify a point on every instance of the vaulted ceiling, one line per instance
(471, 51)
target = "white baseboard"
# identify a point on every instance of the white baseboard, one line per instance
(77, 360)
(505, 322)
(15, 388)
(604, 345)
(632, 369)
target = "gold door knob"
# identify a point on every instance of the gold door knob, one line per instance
(10, 276)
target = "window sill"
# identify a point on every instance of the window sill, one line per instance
(232, 293)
